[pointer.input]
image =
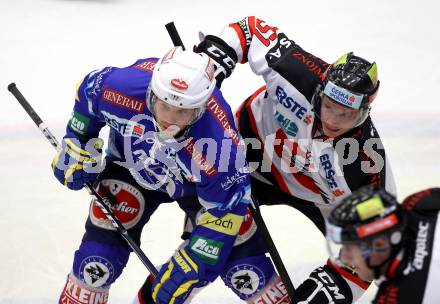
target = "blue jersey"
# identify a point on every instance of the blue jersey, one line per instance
(207, 161)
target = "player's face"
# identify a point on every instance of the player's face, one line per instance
(171, 117)
(356, 257)
(336, 119)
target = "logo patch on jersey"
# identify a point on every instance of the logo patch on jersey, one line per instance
(314, 64)
(147, 66)
(288, 126)
(79, 123)
(96, 271)
(221, 116)
(228, 224)
(247, 229)
(243, 25)
(94, 82)
(282, 47)
(421, 245)
(125, 127)
(231, 180)
(123, 101)
(75, 293)
(206, 249)
(329, 171)
(246, 279)
(130, 207)
(290, 104)
(200, 160)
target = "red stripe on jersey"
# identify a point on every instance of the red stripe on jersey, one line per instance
(304, 180)
(393, 267)
(251, 23)
(351, 277)
(275, 172)
(243, 104)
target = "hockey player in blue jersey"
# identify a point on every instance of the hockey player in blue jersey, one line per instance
(172, 138)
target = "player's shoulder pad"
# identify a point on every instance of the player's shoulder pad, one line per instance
(425, 200)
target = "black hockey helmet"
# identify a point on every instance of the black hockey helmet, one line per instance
(365, 214)
(350, 81)
(368, 214)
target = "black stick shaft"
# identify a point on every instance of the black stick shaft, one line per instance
(105, 202)
(276, 258)
(175, 37)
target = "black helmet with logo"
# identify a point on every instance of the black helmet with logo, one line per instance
(365, 214)
(368, 214)
(350, 81)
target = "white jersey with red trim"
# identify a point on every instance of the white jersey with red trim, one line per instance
(291, 153)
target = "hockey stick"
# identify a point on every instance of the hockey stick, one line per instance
(273, 251)
(253, 206)
(174, 34)
(104, 202)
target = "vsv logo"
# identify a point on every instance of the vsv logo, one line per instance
(290, 104)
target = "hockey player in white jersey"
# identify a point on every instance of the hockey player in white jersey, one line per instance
(311, 142)
(398, 245)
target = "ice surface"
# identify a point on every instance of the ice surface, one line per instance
(48, 45)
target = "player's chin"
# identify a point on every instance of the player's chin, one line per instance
(332, 132)
(364, 274)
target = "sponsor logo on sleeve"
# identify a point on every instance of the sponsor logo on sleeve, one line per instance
(124, 101)
(221, 116)
(79, 123)
(206, 249)
(147, 66)
(94, 82)
(199, 159)
(421, 251)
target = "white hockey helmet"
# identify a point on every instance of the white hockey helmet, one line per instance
(183, 79)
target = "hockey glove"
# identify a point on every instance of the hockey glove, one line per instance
(223, 55)
(77, 162)
(177, 279)
(324, 285)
